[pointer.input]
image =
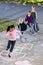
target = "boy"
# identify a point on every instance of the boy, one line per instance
(34, 15)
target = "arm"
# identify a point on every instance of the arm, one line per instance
(18, 24)
(36, 16)
(19, 32)
(7, 33)
(26, 18)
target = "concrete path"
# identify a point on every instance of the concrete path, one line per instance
(30, 53)
(14, 12)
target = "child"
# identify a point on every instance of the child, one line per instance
(30, 21)
(11, 33)
(22, 27)
(34, 15)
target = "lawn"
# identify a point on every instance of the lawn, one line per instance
(5, 23)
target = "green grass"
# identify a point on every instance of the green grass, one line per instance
(24, 1)
(4, 24)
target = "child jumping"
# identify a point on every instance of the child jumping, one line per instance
(11, 33)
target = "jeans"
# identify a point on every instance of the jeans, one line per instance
(32, 28)
(36, 27)
(23, 32)
(10, 45)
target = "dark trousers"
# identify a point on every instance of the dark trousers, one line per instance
(29, 24)
(36, 27)
(10, 45)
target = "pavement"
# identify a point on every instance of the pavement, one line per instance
(31, 51)
(15, 11)
(26, 53)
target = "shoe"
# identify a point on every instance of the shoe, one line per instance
(6, 49)
(25, 39)
(38, 31)
(32, 32)
(9, 55)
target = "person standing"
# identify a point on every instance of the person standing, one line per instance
(34, 15)
(30, 21)
(22, 27)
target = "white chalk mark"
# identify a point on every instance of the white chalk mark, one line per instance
(25, 62)
(42, 45)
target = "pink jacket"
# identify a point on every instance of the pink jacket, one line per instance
(12, 35)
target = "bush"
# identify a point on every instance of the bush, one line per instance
(25, 1)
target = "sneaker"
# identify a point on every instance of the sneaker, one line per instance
(25, 39)
(38, 31)
(9, 55)
(32, 32)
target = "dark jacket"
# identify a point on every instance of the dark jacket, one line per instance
(22, 27)
(29, 19)
(33, 14)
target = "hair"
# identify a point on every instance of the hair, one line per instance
(33, 6)
(29, 11)
(9, 27)
(21, 20)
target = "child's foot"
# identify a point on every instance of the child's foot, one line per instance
(25, 39)
(9, 55)
(6, 49)
(32, 32)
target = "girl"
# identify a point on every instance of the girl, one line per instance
(30, 21)
(22, 27)
(11, 33)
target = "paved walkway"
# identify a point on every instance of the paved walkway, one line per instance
(14, 12)
(32, 51)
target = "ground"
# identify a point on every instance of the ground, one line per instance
(31, 50)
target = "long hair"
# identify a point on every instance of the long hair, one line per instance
(11, 26)
(8, 28)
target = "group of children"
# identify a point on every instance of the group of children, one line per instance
(22, 26)
(31, 19)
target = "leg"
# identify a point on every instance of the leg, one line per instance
(25, 32)
(21, 36)
(12, 46)
(32, 28)
(29, 24)
(37, 27)
(8, 46)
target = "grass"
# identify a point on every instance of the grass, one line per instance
(4, 24)
(23, 1)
